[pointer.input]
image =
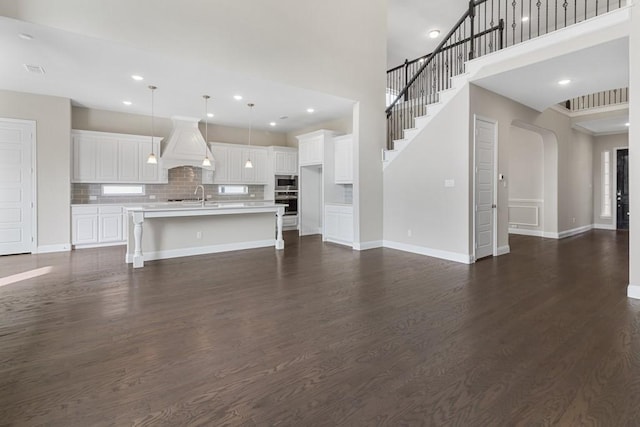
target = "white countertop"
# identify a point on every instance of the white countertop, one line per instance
(184, 203)
(197, 206)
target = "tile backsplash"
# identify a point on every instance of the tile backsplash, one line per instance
(182, 183)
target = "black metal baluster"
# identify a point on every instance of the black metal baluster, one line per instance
(521, 23)
(538, 4)
(529, 19)
(596, 7)
(565, 5)
(501, 27)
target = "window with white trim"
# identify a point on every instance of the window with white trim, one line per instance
(233, 189)
(605, 201)
(122, 190)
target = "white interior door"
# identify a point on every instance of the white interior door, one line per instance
(484, 187)
(16, 194)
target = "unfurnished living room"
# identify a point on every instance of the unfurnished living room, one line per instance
(300, 213)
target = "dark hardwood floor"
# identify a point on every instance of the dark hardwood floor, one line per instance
(322, 335)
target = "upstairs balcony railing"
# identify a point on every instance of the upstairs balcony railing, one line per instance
(602, 99)
(485, 27)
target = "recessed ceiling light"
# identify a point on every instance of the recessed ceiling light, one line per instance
(272, 124)
(627, 124)
(525, 18)
(209, 114)
(310, 110)
(237, 97)
(127, 102)
(564, 82)
(25, 36)
(137, 78)
(434, 33)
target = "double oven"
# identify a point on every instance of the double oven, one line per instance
(286, 192)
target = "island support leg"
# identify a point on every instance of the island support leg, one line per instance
(279, 239)
(138, 258)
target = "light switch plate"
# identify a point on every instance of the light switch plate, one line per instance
(449, 183)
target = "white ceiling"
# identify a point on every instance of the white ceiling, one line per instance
(409, 22)
(97, 73)
(598, 68)
(606, 125)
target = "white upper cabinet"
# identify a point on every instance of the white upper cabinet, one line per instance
(285, 161)
(101, 157)
(311, 147)
(343, 158)
(230, 160)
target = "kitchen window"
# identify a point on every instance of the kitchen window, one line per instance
(122, 190)
(233, 189)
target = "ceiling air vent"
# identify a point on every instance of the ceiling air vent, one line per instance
(36, 69)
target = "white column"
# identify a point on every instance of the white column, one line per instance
(138, 258)
(279, 239)
(633, 290)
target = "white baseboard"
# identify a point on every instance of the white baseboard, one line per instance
(310, 231)
(633, 291)
(526, 232)
(99, 245)
(575, 231)
(364, 246)
(435, 253)
(45, 249)
(604, 227)
(202, 250)
(503, 250)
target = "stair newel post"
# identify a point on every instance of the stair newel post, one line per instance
(501, 30)
(406, 78)
(472, 15)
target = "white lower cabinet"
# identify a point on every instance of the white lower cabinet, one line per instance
(338, 224)
(98, 225)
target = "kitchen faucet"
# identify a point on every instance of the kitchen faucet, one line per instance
(196, 192)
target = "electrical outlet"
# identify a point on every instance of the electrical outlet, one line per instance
(199, 235)
(93, 198)
(152, 197)
(209, 196)
(409, 233)
(573, 220)
(252, 195)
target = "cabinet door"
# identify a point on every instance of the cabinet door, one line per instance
(148, 172)
(106, 159)
(128, 167)
(235, 162)
(259, 159)
(221, 163)
(343, 161)
(110, 229)
(249, 174)
(85, 229)
(292, 163)
(281, 163)
(311, 151)
(84, 159)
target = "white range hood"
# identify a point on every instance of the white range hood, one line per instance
(185, 146)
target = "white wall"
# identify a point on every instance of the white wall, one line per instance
(634, 151)
(605, 143)
(525, 179)
(53, 123)
(331, 46)
(420, 214)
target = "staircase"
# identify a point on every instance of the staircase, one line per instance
(423, 86)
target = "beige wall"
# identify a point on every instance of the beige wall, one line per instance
(331, 46)
(574, 198)
(53, 150)
(342, 125)
(111, 121)
(605, 143)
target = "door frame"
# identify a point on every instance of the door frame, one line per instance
(614, 178)
(477, 117)
(34, 178)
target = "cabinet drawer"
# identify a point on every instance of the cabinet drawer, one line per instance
(84, 210)
(110, 209)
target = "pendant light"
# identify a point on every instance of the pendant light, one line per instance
(248, 164)
(152, 160)
(206, 161)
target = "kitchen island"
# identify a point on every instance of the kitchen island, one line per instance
(170, 230)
